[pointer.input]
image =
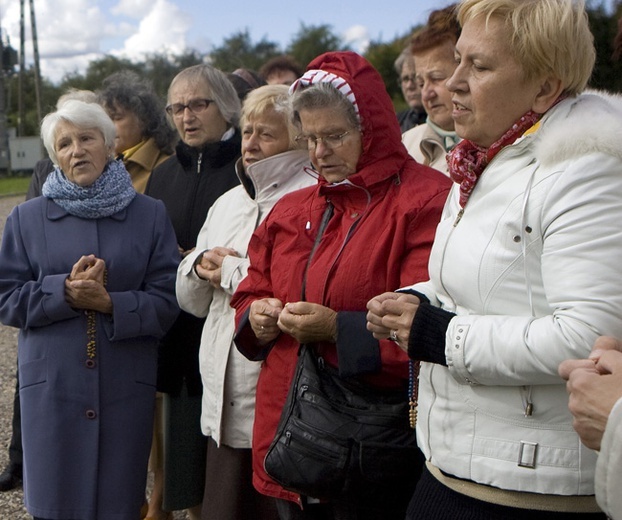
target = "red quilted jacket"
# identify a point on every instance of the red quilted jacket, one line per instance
(377, 240)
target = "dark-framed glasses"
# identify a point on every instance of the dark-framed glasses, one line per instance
(196, 106)
(330, 141)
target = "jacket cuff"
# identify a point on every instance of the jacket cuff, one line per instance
(357, 349)
(422, 297)
(246, 341)
(427, 334)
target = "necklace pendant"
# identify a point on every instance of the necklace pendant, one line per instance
(412, 415)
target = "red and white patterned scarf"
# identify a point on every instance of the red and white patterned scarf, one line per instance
(467, 160)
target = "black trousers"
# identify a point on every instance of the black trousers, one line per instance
(16, 455)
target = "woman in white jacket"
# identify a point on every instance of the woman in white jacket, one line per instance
(271, 166)
(524, 271)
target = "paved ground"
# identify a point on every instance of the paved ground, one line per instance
(11, 502)
(11, 505)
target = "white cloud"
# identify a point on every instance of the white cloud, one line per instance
(132, 8)
(357, 37)
(72, 33)
(162, 29)
(69, 33)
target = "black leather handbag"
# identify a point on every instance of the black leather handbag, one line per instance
(339, 435)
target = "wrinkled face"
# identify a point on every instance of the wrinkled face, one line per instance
(434, 67)
(410, 87)
(128, 126)
(81, 153)
(489, 89)
(281, 77)
(335, 159)
(196, 128)
(263, 136)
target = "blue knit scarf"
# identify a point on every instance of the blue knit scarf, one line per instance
(109, 194)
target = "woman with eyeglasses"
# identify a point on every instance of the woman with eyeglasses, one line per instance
(205, 109)
(370, 220)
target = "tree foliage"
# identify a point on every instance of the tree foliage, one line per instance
(240, 51)
(311, 41)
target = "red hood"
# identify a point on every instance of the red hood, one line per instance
(383, 152)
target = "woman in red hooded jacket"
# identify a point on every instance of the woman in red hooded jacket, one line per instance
(376, 211)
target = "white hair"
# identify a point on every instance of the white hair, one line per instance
(81, 114)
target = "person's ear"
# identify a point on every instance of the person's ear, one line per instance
(550, 89)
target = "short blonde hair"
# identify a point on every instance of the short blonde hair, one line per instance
(547, 37)
(262, 99)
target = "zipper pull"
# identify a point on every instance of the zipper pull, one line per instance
(199, 160)
(529, 409)
(459, 217)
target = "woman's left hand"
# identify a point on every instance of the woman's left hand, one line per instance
(390, 316)
(308, 322)
(84, 288)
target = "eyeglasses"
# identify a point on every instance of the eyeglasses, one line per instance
(407, 79)
(196, 106)
(330, 141)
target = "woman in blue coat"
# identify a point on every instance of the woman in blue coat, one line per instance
(87, 272)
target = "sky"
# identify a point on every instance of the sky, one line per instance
(71, 33)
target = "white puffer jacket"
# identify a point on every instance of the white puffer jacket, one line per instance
(533, 271)
(229, 379)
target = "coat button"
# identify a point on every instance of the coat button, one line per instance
(90, 414)
(89, 363)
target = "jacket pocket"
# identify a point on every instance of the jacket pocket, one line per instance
(33, 372)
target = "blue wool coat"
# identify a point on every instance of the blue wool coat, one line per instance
(87, 423)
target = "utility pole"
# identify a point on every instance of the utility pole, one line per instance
(35, 47)
(4, 139)
(20, 80)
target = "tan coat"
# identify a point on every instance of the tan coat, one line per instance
(142, 162)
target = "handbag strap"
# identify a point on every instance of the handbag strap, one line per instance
(328, 213)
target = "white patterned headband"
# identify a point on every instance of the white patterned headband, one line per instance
(314, 76)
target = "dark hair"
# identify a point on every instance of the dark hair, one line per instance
(129, 91)
(442, 26)
(245, 80)
(283, 62)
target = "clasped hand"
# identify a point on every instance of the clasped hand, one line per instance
(84, 288)
(594, 385)
(304, 321)
(390, 315)
(210, 265)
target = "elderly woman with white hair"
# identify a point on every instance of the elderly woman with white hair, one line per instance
(88, 273)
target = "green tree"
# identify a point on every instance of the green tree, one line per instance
(30, 122)
(310, 41)
(160, 69)
(607, 73)
(239, 51)
(382, 56)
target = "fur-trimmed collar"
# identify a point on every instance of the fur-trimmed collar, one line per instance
(590, 122)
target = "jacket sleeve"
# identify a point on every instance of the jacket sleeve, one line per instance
(609, 466)
(194, 294)
(581, 277)
(255, 286)
(357, 349)
(151, 310)
(26, 302)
